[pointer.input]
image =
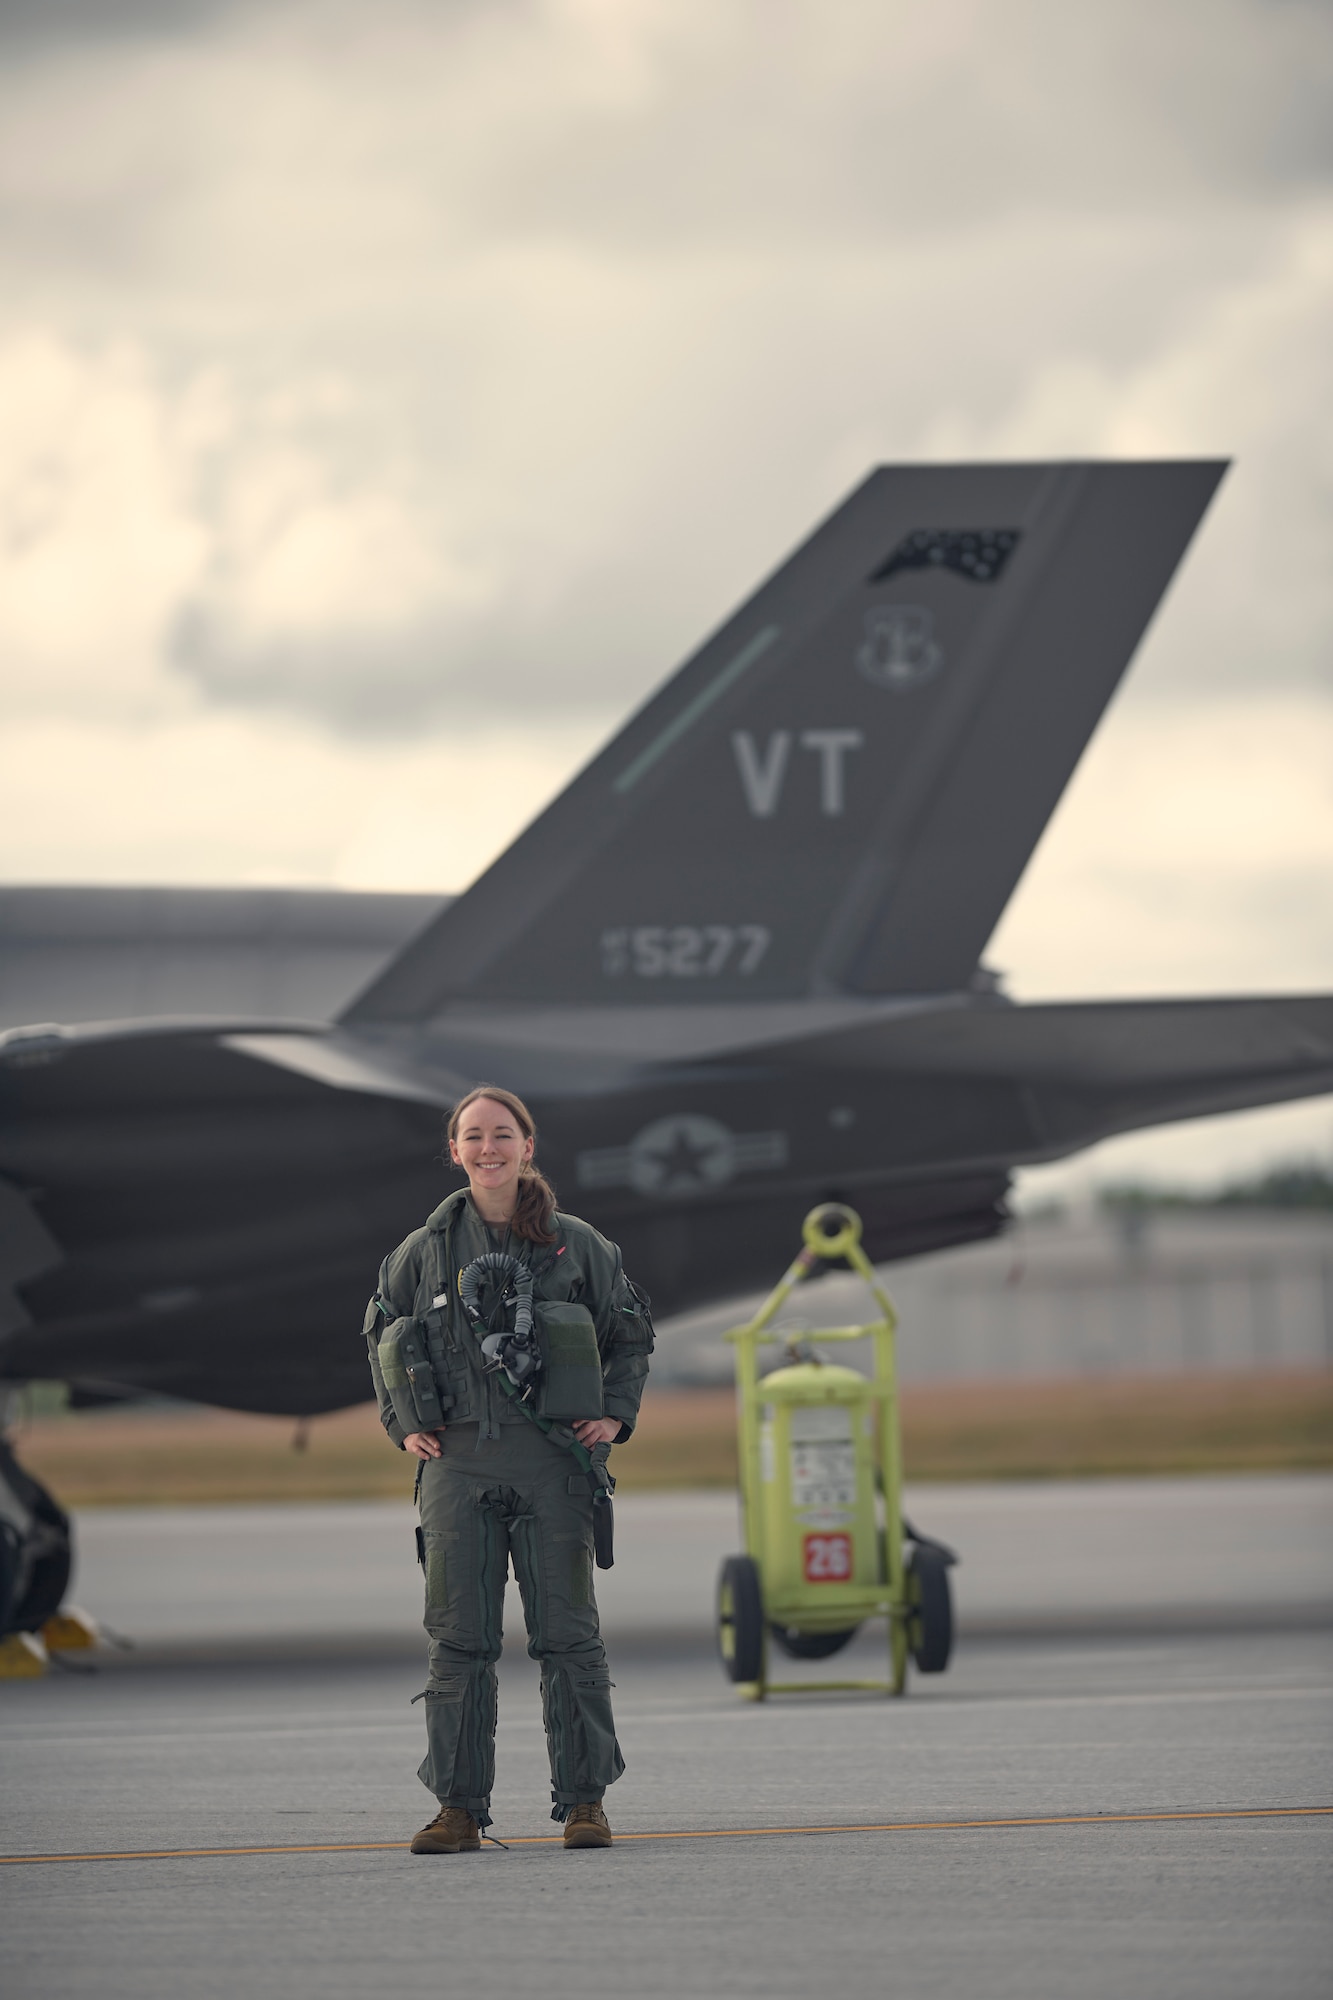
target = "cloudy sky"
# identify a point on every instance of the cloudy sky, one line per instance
(391, 396)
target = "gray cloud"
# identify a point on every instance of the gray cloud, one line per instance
(39, 25)
(742, 125)
(491, 353)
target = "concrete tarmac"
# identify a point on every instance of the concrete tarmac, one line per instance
(1149, 1800)
(1104, 1555)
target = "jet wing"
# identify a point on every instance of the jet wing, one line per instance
(1090, 1069)
(183, 1215)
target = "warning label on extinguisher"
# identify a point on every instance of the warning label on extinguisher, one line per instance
(828, 1558)
(823, 1464)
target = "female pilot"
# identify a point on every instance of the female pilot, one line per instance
(493, 1485)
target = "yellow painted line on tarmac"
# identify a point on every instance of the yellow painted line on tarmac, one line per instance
(704, 1833)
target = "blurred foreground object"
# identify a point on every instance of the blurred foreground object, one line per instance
(36, 1560)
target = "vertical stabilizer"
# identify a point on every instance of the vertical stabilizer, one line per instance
(840, 790)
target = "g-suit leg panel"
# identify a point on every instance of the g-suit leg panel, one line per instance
(466, 1559)
(553, 1561)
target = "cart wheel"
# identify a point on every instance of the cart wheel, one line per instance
(811, 1645)
(930, 1631)
(740, 1619)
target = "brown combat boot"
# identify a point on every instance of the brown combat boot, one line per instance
(452, 1831)
(587, 1826)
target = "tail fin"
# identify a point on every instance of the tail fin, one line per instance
(839, 791)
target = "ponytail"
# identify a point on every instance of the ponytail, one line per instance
(534, 1213)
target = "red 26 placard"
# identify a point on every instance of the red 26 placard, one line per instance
(828, 1558)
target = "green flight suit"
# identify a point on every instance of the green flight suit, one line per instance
(505, 1492)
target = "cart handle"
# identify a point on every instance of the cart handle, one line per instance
(866, 1332)
(832, 1230)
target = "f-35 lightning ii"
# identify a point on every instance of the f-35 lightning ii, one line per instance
(734, 968)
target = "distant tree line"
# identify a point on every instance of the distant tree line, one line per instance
(1299, 1184)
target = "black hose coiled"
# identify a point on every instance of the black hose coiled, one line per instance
(512, 1350)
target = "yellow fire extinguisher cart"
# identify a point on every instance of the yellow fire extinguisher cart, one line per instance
(826, 1545)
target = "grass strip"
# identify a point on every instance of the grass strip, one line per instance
(687, 1438)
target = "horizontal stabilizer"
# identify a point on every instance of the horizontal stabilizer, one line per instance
(1086, 1070)
(839, 791)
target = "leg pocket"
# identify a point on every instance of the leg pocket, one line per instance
(439, 1555)
(580, 1575)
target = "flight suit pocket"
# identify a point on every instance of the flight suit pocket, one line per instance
(437, 1578)
(580, 1575)
(436, 1565)
(571, 1380)
(634, 1316)
(409, 1379)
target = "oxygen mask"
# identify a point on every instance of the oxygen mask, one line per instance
(496, 1291)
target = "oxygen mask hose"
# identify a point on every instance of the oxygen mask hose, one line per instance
(493, 1287)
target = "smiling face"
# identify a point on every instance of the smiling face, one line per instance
(492, 1149)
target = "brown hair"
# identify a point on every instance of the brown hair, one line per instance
(535, 1209)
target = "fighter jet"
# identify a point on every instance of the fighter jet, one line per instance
(736, 969)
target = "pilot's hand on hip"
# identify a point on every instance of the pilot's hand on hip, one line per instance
(424, 1444)
(596, 1430)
